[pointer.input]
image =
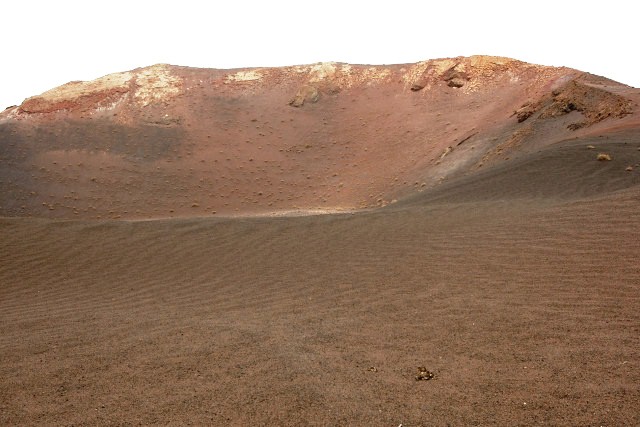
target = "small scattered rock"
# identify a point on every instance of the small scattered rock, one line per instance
(577, 125)
(603, 157)
(372, 369)
(424, 374)
(525, 111)
(591, 147)
(629, 168)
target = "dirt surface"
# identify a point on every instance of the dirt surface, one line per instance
(507, 293)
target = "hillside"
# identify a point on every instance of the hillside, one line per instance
(168, 141)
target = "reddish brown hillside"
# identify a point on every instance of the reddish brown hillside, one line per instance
(168, 141)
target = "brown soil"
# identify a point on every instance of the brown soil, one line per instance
(504, 294)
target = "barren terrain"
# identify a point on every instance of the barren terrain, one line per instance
(289, 246)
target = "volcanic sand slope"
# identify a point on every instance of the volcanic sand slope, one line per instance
(515, 282)
(524, 317)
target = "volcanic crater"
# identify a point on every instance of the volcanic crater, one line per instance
(287, 246)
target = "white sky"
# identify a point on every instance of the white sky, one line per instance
(48, 43)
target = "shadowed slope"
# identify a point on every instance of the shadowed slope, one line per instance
(565, 171)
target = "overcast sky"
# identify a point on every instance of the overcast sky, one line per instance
(48, 43)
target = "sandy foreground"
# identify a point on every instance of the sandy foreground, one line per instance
(526, 310)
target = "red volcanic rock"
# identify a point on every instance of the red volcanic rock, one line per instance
(177, 141)
(594, 101)
(305, 94)
(87, 101)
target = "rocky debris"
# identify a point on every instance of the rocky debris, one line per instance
(424, 374)
(154, 84)
(456, 82)
(516, 139)
(454, 77)
(306, 93)
(452, 73)
(165, 121)
(527, 110)
(595, 104)
(86, 101)
(422, 80)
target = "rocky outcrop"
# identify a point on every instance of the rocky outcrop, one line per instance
(583, 95)
(143, 86)
(455, 77)
(305, 94)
